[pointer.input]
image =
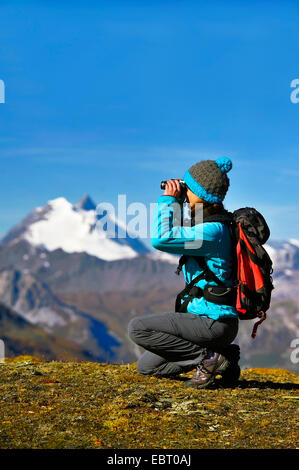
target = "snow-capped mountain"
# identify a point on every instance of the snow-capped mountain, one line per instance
(74, 229)
(284, 254)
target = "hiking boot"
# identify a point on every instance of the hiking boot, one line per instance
(214, 363)
(231, 375)
(232, 353)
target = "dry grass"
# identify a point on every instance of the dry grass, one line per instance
(90, 405)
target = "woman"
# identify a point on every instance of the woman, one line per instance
(199, 333)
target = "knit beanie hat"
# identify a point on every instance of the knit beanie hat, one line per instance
(208, 179)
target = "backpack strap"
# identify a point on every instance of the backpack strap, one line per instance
(263, 316)
(220, 294)
(210, 276)
(182, 261)
(192, 291)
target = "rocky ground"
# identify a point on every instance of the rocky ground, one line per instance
(93, 405)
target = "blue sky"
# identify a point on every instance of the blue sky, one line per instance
(110, 97)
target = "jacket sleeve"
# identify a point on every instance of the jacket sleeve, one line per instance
(169, 235)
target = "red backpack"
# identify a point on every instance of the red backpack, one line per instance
(253, 265)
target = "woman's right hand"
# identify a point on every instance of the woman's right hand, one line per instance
(173, 188)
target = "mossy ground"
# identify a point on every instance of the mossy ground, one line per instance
(90, 405)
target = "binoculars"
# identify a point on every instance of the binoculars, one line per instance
(182, 185)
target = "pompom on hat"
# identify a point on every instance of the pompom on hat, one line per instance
(208, 179)
(224, 163)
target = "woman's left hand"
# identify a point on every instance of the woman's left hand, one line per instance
(173, 188)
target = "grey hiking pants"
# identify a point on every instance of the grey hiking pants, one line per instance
(177, 342)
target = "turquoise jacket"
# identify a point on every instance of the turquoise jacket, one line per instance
(210, 239)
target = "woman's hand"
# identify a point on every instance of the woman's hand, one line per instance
(173, 188)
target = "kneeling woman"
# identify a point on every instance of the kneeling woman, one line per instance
(198, 334)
